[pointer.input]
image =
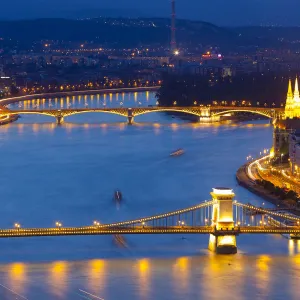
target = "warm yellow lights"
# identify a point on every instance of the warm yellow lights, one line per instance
(58, 224)
(228, 240)
(292, 107)
(223, 191)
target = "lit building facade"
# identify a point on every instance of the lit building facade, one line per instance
(292, 106)
(294, 152)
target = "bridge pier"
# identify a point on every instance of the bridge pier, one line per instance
(130, 120)
(209, 119)
(59, 120)
(130, 116)
(222, 221)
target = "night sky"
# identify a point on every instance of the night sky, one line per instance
(221, 12)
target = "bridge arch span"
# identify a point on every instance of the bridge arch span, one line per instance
(112, 112)
(137, 112)
(262, 113)
(31, 113)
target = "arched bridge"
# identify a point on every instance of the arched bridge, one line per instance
(263, 111)
(222, 218)
(205, 113)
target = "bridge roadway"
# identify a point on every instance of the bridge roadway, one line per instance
(94, 230)
(200, 111)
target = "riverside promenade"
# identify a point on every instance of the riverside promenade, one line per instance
(243, 179)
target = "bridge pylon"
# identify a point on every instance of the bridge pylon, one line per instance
(222, 221)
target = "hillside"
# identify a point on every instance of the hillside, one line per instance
(132, 32)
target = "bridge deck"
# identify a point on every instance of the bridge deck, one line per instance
(36, 232)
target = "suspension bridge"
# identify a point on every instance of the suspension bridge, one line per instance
(222, 218)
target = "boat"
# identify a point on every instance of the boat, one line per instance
(178, 152)
(118, 196)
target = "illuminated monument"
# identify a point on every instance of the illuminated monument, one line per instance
(290, 121)
(223, 240)
(292, 105)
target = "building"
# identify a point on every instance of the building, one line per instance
(280, 138)
(292, 106)
(294, 152)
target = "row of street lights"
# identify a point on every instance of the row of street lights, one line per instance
(265, 151)
(57, 224)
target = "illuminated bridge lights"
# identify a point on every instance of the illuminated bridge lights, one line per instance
(177, 222)
(137, 111)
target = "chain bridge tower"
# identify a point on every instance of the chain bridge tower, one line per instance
(223, 240)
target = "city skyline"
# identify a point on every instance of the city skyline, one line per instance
(232, 13)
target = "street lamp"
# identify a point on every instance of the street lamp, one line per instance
(58, 224)
(96, 223)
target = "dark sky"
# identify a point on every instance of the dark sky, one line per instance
(221, 12)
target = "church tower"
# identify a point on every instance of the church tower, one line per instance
(289, 105)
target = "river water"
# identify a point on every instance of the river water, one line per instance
(68, 173)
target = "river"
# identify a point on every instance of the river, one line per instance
(68, 174)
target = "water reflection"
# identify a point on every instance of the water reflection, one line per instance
(223, 276)
(50, 126)
(58, 278)
(92, 101)
(181, 272)
(211, 277)
(17, 278)
(262, 274)
(97, 274)
(144, 283)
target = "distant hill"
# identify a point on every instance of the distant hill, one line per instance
(131, 32)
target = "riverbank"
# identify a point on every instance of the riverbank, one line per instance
(6, 101)
(244, 180)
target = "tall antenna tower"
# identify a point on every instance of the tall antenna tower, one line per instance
(173, 27)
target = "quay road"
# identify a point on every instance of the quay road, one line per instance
(93, 230)
(257, 171)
